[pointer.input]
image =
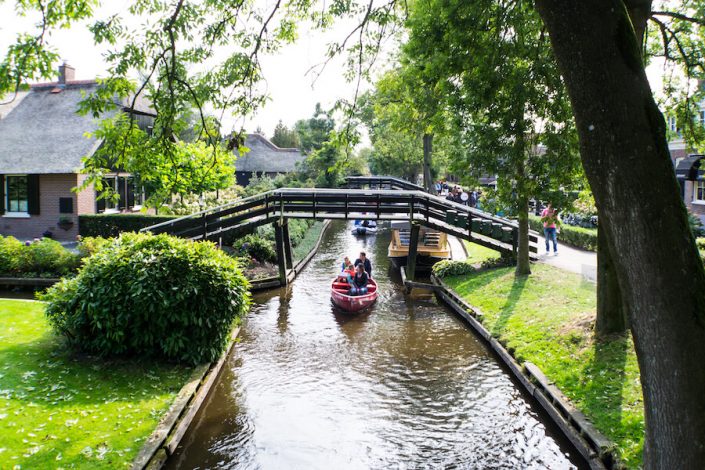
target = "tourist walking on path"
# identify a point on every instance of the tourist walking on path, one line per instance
(551, 222)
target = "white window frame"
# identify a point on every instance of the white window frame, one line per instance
(699, 184)
(113, 207)
(16, 214)
(672, 124)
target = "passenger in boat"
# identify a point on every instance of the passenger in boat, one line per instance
(365, 262)
(347, 265)
(359, 281)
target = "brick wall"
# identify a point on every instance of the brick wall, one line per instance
(85, 199)
(51, 188)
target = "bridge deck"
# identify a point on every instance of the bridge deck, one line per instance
(310, 203)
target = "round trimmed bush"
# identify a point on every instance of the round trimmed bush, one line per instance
(447, 268)
(156, 296)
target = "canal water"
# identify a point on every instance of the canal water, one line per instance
(405, 385)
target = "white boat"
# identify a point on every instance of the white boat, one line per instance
(364, 227)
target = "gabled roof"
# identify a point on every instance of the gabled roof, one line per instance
(44, 134)
(264, 156)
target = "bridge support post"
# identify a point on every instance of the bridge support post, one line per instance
(413, 249)
(287, 245)
(281, 255)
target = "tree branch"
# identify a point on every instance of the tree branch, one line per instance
(678, 16)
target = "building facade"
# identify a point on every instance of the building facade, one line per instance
(42, 143)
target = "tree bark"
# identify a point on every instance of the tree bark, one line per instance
(611, 310)
(624, 151)
(427, 151)
(523, 265)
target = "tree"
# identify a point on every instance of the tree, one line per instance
(622, 137)
(192, 167)
(512, 114)
(625, 154)
(397, 128)
(315, 131)
(285, 138)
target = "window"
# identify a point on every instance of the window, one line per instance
(131, 195)
(672, 126)
(701, 117)
(16, 194)
(699, 191)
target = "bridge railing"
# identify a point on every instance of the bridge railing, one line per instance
(382, 182)
(413, 206)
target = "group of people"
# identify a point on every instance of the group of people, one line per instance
(456, 194)
(357, 274)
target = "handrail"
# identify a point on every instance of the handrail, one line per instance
(323, 203)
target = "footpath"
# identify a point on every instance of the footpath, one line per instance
(571, 259)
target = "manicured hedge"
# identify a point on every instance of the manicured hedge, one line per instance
(151, 295)
(585, 238)
(112, 225)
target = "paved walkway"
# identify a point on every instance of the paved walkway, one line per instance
(571, 259)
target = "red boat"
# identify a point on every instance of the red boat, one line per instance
(352, 303)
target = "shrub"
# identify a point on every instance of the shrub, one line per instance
(700, 242)
(112, 225)
(157, 296)
(497, 262)
(10, 254)
(43, 258)
(88, 246)
(255, 247)
(696, 226)
(448, 268)
(585, 238)
(48, 257)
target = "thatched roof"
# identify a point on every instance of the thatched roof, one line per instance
(264, 156)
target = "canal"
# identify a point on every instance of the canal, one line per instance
(405, 385)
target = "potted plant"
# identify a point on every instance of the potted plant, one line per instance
(65, 223)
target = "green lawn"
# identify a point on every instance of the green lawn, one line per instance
(59, 409)
(477, 254)
(307, 243)
(546, 318)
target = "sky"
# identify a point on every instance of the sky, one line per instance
(293, 94)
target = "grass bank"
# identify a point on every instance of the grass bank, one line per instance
(59, 409)
(547, 318)
(304, 247)
(478, 254)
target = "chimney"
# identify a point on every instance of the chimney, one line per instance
(66, 73)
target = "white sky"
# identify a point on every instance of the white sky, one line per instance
(292, 93)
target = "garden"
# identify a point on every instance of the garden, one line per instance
(89, 372)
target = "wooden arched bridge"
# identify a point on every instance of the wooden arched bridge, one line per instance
(402, 201)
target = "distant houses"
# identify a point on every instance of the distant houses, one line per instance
(42, 142)
(265, 158)
(690, 175)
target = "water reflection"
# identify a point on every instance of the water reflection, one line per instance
(404, 385)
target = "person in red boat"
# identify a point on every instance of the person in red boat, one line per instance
(359, 281)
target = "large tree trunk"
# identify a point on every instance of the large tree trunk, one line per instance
(625, 155)
(611, 310)
(427, 151)
(523, 264)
